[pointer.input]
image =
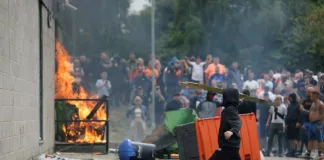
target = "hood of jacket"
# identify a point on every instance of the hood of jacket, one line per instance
(231, 97)
(293, 98)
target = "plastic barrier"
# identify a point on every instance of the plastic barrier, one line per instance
(218, 111)
(207, 137)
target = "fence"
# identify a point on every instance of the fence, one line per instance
(75, 132)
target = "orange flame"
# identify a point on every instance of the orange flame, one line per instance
(81, 132)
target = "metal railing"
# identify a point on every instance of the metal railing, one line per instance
(62, 109)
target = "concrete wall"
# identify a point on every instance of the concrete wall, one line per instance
(20, 82)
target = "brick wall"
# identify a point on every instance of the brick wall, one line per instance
(19, 80)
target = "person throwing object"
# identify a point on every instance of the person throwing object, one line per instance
(230, 125)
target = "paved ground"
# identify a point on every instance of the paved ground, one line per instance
(88, 156)
(280, 158)
(113, 157)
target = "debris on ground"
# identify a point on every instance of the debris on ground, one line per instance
(54, 157)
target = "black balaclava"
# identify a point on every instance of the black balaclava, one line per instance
(293, 98)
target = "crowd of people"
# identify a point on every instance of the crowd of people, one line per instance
(295, 119)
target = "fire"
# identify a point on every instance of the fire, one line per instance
(82, 132)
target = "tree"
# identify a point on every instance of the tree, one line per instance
(98, 26)
(303, 44)
(245, 30)
(262, 33)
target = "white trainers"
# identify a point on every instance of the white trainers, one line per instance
(315, 157)
(312, 154)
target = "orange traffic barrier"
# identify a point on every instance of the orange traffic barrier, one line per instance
(218, 111)
(207, 137)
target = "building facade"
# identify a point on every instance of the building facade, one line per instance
(27, 59)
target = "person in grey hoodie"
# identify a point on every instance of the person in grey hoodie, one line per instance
(228, 137)
(207, 108)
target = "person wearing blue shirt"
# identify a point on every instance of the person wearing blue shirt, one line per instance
(217, 76)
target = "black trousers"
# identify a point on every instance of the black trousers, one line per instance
(226, 154)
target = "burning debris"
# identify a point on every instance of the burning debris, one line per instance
(81, 130)
(98, 105)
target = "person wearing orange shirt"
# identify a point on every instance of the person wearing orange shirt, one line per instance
(134, 72)
(211, 69)
(149, 72)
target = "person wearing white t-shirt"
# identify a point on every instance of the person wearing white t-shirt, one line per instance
(251, 84)
(197, 70)
(267, 90)
(277, 115)
(103, 85)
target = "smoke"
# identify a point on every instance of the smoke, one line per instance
(252, 33)
(255, 32)
(249, 31)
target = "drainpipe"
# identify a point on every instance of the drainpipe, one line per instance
(40, 18)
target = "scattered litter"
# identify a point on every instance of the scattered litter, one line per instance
(112, 150)
(175, 156)
(98, 153)
(54, 157)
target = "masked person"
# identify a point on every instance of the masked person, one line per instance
(293, 124)
(207, 108)
(230, 125)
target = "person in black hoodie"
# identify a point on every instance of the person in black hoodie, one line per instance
(292, 124)
(247, 107)
(230, 125)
